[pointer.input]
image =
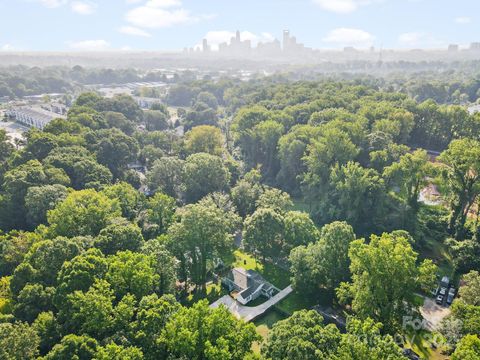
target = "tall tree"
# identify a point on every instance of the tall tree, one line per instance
(323, 263)
(18, 341)
(461, 179)
(206, 139)
(385, 276)
(468, 348)
(201, 332)
(204, 174)
(410, 174)
(202, 234)
(84, 212)
(263, 232)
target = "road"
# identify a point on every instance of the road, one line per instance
(249, 313)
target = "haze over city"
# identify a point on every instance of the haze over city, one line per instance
(171, 25)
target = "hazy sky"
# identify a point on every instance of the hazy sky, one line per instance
(173, 24)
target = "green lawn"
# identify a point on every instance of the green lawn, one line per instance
(273, 274)
(419, 341)
(264, 324)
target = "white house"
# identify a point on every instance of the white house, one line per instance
(249, 284)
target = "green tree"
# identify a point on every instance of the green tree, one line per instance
(204, 139)
(79, 274)
(275, 199)
(43, 262)
(467, 349)
(384, 278)
(299, 230)
(202, 234)
(84, 212)
(159, 215)
(334, 147)
(247, 192)
(113, 351)
(32, 300)
(74, 347)
(323, 263)
(18, 341)
(80, 166)
(410, 174)
(115, 150)
(6, 149)
(356, 195)
(39, 143)
(48, 331)
(302, 336)
(119, 121)
(291, 151)
(120, 235)
(461, 179)
(40, 199)
(167, 176)
(90, 312)
(365, 341)
(470, 291)
(153, 314)
(132, 273)
(155, 120)
(263, 232)
(204, 174)
(165, 265)
(13, 248)
(335, 239)
(201, 332)
(131, 200)
(16, 183)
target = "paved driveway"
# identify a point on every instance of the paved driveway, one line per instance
(249, 313)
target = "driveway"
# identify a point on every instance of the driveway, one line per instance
(249, 313)
(433, 313)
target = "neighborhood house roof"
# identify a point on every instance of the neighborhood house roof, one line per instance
(248, 281)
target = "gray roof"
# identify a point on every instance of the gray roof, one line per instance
(247, 280)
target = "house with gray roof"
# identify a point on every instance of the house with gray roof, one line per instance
(249, 284)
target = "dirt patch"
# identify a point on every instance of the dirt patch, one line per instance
(433, 313)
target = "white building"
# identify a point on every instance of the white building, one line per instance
(32, 116)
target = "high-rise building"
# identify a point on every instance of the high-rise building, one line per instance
(237, 47)
(475, 46)
(286, 39)
(205, 47)
(453, 47)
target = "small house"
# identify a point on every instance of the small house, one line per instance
(249, 284)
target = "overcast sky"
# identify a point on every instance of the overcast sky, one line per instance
(51, 25)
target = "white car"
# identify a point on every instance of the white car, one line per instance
(439, 299)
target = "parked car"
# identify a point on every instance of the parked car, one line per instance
(451, 295)
(445, 282)
(439, 300)
(410, 354)
(443, 291)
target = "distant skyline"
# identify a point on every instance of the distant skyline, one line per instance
(171, 25)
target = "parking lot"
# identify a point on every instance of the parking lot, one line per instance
(14, 130)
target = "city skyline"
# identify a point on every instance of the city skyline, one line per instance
(170, 25)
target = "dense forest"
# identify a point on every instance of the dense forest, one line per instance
(320, 178)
